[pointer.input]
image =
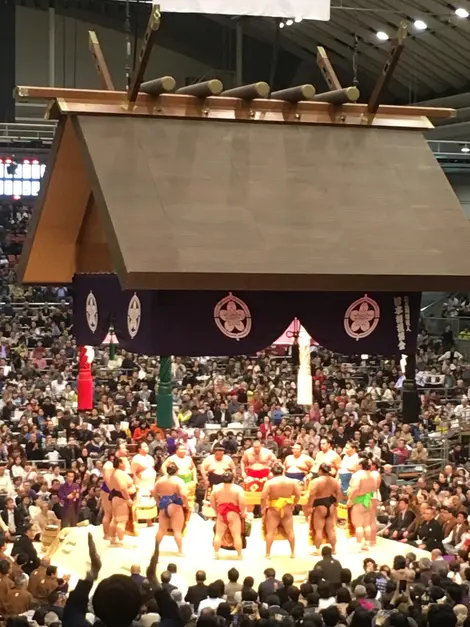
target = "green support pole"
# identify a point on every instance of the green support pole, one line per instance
(164, 397)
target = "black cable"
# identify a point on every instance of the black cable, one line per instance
(275, 55)
(127, 29)
(355, 63)
(64, 55)
(136, 35)
(75, 52)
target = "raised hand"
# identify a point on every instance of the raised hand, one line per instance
(94, 559)
(152, 567)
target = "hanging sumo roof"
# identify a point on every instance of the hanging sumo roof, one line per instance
(205, 189)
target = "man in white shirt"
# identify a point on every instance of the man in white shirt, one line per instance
(457, 537)
(249, 418)
(189, 441)
(58, 386)
(463, 410)
(373, 448)
(177, 580)
(5, 483)
(56, 475)
(52, 456)
(214, 600)
(98, 469)
(10, 517)
(385, 435)
(450, 354)
(30, 473)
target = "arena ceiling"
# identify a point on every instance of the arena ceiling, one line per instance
(434, 64)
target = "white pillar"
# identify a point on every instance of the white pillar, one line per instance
(304, 375)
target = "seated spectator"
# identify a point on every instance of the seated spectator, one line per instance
(343, 599)
(402, 520)
(325, 594)
(215, 594)
(47, 585)
(55, 603)
(24, 546)
(6, 585)
(176, 580)
(429, 534)
(456, 539)
(248, 591)
(400, 452)
(269, 585)
(293, 596)
(19, 600)
(329, 566)
(274, 606)
(438, 563)
(165, 579)
(12, 518)
(400, 572)
(282, 590)
(233, 586)
(198, 592)
(419, 455)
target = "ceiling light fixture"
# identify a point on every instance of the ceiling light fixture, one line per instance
(381, 36)
(289, 22)
(281, 24)
(465, 149)
(298, 20)
(420, 25)
(461, 12)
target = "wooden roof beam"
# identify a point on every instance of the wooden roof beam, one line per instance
(386, 74)
(327, 70)
(99, 61)
(144, 55)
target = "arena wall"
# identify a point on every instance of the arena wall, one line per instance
(461, 185)
(73, 63)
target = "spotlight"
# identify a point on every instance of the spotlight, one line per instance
(420, 25)
(289, 22)
(461, 12)
(298, 20)
(381, 36)
(465, 149)
(281, 24)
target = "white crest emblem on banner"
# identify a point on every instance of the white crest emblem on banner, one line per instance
(232, 317)
(361, 318)
(134, 315)
(91, 311)
(306, 9)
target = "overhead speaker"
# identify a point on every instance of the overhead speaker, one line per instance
(411, 406)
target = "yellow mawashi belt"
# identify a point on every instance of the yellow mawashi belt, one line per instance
(279, 503)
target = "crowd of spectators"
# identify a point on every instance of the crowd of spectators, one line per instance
(229, 402)
(455, 306)
(412, 593)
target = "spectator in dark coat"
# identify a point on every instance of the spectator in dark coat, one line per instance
(24, 546)
(198, 592)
